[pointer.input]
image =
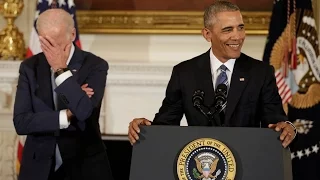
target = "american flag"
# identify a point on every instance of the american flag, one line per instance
(284, 88)
(34, 47)
(293, 49)
(280, 49)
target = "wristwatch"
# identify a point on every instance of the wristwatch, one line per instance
(60, 71)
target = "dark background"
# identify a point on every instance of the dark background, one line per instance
(119, 153)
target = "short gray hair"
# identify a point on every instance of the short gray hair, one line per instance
(215, 8)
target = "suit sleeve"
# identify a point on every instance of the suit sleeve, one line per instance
(272, 108)
(171, 111)
(25, 120)
(76, 99)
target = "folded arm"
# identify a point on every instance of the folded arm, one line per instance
(71, 93)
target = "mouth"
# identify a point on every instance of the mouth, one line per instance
(234, 46)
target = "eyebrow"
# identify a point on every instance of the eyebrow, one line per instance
(230, 27)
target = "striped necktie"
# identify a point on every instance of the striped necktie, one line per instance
(222, 79)
(58, 157)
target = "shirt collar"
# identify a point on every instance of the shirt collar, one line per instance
(216, 63)
(71, 53)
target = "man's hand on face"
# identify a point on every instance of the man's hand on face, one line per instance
(56, 55)
(287, 134)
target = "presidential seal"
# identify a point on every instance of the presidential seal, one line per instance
(206, 159)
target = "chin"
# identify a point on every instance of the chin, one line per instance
(235, 55)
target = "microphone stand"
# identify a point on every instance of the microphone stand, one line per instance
(212, 114)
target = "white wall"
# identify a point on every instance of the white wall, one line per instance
(158, 48)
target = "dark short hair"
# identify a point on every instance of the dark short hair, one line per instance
(216, 7)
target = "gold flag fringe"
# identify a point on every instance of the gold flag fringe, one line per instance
(285, 108)
(278, 49)
(311, 98)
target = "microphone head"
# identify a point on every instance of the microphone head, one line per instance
(222, 88)
(197, 97)
(221, 95)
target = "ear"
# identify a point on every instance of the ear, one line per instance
(73, 34)
(206, 33)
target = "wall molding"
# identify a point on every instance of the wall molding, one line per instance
(159, 22)
(141, 68)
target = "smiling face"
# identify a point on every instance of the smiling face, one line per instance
(226, 35)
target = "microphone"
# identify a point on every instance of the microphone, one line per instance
(220, 97)
(211, 113)
(197, 100)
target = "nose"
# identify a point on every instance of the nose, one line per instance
(235, 35)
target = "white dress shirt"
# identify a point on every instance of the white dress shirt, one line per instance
(215, 65)
(63, 118)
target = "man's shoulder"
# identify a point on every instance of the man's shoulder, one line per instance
(32, 60)
(253, 62)
(93, 59)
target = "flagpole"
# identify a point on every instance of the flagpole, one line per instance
(54, 4)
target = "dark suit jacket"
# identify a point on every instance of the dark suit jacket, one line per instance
(249, 103)
(81, 146)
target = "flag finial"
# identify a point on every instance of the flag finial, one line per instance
(54, 4)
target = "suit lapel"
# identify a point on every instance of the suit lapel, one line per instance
(76, 60)
(43, 78)
(239, 80)
(204, 79)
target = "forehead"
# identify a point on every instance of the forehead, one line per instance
(57, 33)
(229, 18)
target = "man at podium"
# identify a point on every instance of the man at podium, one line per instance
(223, 86)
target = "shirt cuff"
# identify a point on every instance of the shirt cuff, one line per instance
(63, 119)
(295, 129)
(62, 77)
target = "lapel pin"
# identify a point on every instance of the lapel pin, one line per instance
(74, 70)
(241, 79)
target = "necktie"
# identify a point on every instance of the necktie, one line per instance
(222, 79)
(58, 158)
